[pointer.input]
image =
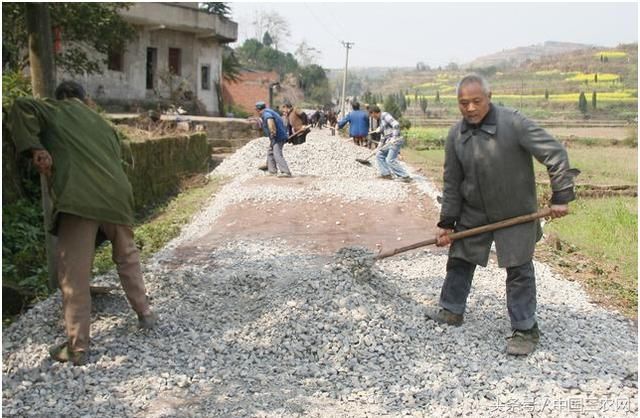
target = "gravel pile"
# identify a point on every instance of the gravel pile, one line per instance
(322, 155)
(260, 329)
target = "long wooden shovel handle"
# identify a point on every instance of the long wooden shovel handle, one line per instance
(385, 146)
(300, 132)
(471, 232)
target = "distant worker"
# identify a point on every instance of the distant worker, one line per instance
(374, 137)
(296, 121)
(79, 152)
(333, 121)
(273, 127)
(489, 177)
(389, 147)
(358, 121)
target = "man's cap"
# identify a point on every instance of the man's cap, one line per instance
(260, 105)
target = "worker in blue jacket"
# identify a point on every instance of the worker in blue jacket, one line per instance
(358, 124)
(274, 128)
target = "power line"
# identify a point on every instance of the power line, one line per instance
(323, 24)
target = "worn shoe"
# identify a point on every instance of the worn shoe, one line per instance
(263, 167)
(445, 316)
(63, 354)
(147, 321)
(386, 177)
(523, 342)
(284, 175)
(405, 179)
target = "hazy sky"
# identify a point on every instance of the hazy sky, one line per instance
(402, 34)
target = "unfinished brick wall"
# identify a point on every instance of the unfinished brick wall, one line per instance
(251, 87)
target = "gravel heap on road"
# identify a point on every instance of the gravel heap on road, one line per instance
(356, 261)
(260, 329)
(322, 155)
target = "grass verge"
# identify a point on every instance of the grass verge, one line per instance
(164, 222)
(604, 233)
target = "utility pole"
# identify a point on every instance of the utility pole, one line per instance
(348, 46)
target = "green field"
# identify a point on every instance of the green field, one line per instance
(543, 88)
(604, 230)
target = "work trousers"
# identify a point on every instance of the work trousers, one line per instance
(388, 161)
(275, 158)
(521, 291)
(75, 252)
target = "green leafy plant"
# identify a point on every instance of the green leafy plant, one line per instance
(23, 254)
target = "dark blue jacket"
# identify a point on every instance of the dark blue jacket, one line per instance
(281, 131)
(358, 123)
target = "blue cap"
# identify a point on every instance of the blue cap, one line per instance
(260, 105)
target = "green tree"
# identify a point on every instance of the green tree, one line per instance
(546, 94)
(315, 84)
(582, 102)
(402, 101)
(367, 97)
(266, 39)
(391, 106)
(231, 67)
(82, 27)
(437, 96)
(254, 55)
(424, 104)
(217, 8)
(595, 77)
(594, 100)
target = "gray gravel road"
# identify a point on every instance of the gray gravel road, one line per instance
(258, 328)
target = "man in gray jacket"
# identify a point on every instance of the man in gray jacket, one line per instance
(488, 177)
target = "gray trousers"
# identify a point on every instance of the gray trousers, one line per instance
(275, 158)
(521, 291)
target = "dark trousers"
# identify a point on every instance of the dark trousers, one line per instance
(521, 291)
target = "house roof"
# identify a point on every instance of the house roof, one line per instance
(184, 18)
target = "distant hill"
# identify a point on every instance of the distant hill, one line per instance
(516, 56)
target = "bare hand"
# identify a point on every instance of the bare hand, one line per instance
(558, 211)
(442, 237)
(42, 161)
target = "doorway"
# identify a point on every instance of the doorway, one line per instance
(152, 65)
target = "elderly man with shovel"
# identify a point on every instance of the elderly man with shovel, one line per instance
(488, 176)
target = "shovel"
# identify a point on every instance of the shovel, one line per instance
(470, 232)
(365, 161)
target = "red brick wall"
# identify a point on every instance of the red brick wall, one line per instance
(250, 88)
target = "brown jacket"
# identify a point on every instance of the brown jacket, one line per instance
(295, 119)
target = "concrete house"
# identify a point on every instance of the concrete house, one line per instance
(177, 53)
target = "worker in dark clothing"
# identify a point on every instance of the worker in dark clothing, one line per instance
(488, 177)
